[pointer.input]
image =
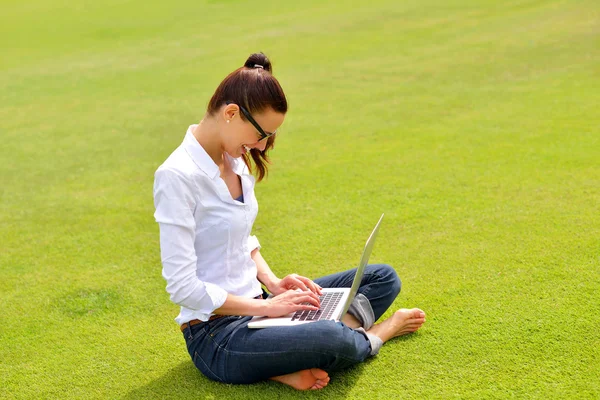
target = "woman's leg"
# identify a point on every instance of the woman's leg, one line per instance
(229, 352)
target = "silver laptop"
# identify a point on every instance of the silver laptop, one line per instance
(334, 301)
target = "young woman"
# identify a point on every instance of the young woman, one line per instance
(205, 208)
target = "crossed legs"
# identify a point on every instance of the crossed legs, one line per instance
(380, 285)
(402, 322)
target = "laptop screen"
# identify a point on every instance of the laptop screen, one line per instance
(361, 267)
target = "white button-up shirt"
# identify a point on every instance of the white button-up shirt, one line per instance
(205, 240)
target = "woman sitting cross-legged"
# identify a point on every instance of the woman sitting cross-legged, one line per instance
(205, 208)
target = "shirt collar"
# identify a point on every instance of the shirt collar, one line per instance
(238, 165)
(199, 155)
(203, 160)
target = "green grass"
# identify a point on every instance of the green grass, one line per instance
(473, 125)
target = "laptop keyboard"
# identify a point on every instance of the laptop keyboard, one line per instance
(328, 302)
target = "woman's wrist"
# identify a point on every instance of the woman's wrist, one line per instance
(264, 273)
(273, 284)
(236, 305)
(262, 307)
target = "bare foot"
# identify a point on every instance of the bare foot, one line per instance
(403, 321)
(306, 379)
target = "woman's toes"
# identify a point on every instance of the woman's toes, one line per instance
(319, 373)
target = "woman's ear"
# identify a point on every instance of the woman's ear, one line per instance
(230, 111)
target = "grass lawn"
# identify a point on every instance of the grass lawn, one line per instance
(475, 126)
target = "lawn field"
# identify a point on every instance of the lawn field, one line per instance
(473, 125)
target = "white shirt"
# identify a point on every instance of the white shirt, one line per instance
(205, 240)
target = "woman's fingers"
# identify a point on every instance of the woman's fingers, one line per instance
(309, 284)
(311, 298)
(298, 298)
(299, 283)
(313, 287)
(292, 301)
(304, 297)
(295, 281)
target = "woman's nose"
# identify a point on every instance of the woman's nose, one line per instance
(261, 145)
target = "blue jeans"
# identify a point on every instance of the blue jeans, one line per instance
(225, 350)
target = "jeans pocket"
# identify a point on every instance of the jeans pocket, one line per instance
(220, 329)
(193, 333)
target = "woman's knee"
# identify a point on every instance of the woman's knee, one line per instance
(342, 344)
(387, 274)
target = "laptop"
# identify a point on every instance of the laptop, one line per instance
(334, 301)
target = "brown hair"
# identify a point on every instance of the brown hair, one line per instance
(254, 87)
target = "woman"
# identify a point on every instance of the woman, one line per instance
(205, 207)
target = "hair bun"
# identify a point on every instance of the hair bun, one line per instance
(258, 60)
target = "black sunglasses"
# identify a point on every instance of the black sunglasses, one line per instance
(263, 135)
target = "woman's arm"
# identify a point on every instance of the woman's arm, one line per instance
(174, 202)
(264, 274)
(284, 302)
(277, 306)
(278, 286)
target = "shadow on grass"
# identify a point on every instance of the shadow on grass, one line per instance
(185, 381)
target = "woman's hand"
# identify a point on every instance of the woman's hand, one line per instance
(293, 282)
(291, 301)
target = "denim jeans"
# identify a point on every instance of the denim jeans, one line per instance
(226, 350)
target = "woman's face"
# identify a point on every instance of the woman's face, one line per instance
(242, 135)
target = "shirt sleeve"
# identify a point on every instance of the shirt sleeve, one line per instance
(253, 243)
(174, 202)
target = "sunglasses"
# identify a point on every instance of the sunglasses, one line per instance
(262, 134)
